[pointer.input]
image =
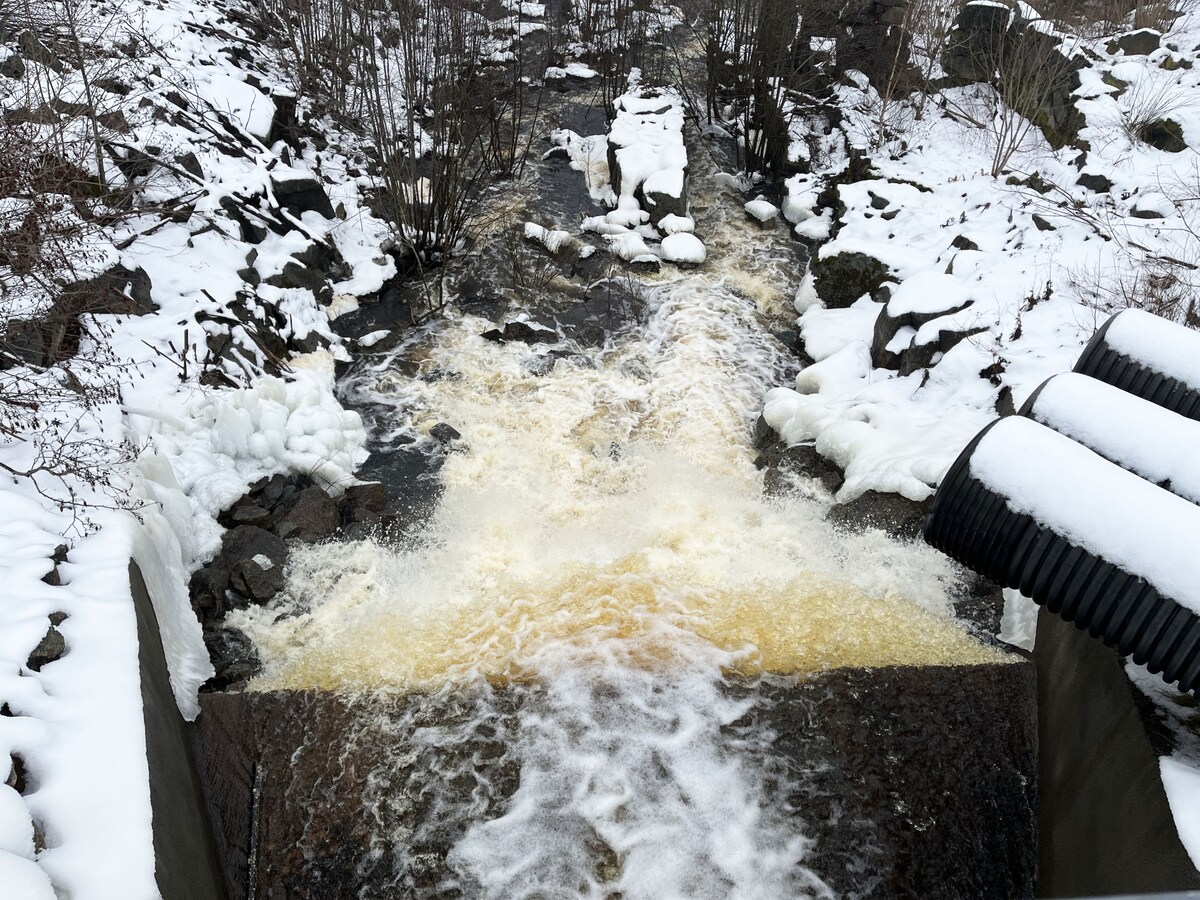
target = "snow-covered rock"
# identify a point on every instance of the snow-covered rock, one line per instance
(683, 248)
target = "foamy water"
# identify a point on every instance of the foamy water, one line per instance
(605, 539)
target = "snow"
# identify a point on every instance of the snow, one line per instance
(276, 425)
(1148, 440)
(1182, 784)
(761, 209)
(929, 292)
(673, 224)
(553, 240)
(22, 879)
(1018, 623)
(248, 107)
(683, 248)
(647, 135)
(1070, 490)
(1157, 344)
(630, 246)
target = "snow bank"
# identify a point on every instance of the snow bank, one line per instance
(77, 723)
(1095, 504)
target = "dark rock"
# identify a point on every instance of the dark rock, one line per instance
(896, 515)
(365, 503)
(285, 126)
(913, 356)
(521, 331)
(661, 205)
(1094, 182)
(311, 515)
(234, 657)
(246, 511)
(1163, 134)
(301, 194)
(764, 435)
(133, 163)
(1041, 224)
(961, 242)
(255, 581)
(119, 291)
(49, 648)
(59, 556)
(878, 202)
(1142, 42)
(297, 275)
(444, 433)
(973, 46)
(249, 541)
(52, 578)
(13, 67)
(842, 278)
(190, 163)
(33, 50)
(253, 229)
(784, 464)
(57, 618)
(274, 491)
(17, 777)
(1139, 213)
(208, 589)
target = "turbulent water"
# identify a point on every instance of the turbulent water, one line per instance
(604, 547)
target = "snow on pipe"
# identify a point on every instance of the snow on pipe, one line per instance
(1149, 440)
(1149, 357)
(1034, 510)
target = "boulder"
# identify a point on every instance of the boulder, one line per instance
(13, 67)
(912, 356)
(896, 515)
(1163, 134)
(299, 194)
(783, 464)
(257, 579)
(234, 657)
(1142, 42)
(520, 331)
(973, 46)
(309, 516)
(119, 291)
(1094, 182)
(842, 278)
(52, 646)
(444, 433)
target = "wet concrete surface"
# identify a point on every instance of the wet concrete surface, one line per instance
(914, 782)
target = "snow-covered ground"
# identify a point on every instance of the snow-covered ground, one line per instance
(81, 824)
(1007, 278)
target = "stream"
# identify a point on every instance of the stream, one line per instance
(556, 674)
